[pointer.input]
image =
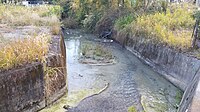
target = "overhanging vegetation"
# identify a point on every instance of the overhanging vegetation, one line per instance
(158, 21)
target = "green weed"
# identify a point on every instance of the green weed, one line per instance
(132, 109)
(178, 96)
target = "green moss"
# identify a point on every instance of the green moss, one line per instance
(152, 106)
(178, 96)
(160, 107)
(72, 100)
(132, 109)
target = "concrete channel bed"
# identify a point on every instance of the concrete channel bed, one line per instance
(131, 82)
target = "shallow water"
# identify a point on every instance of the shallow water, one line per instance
(131, 82)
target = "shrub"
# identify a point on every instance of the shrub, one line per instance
(80, 14)
(124, 21)
(70, 23)
(107, 20)
(90, 21)
(53, 10)
(173, 27)
(196, 14)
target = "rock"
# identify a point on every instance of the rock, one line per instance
(80, 75)
(66, 107)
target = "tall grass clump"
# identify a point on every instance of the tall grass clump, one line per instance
(173, 27)
(20, 52)
(37, 16)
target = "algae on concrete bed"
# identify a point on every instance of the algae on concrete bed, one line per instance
(72, 99)
(132, 109)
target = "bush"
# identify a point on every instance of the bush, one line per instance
(67, 8)
(90, 21)
(173, 27)
(53, 10)
(107, 20)
(70, 23)
(124, 21)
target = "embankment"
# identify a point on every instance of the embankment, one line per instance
(177, 67)
(28, 88)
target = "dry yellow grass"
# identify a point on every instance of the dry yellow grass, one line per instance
(24, 51)
(173, 28)
(55, 29)
(33, 48)
(25, 16)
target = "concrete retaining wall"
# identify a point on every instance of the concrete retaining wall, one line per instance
(22, 88)
(29, 88)
(179, 68)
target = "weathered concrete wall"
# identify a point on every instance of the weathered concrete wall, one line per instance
(195, 105)
(30, 88)
(179, 68)
(22, 88)
(191, 97)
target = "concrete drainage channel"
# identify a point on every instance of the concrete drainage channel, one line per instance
(179, 68)
(128, 84)
(121, 83)
(131, 82)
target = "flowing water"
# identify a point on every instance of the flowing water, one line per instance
(131, 82)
